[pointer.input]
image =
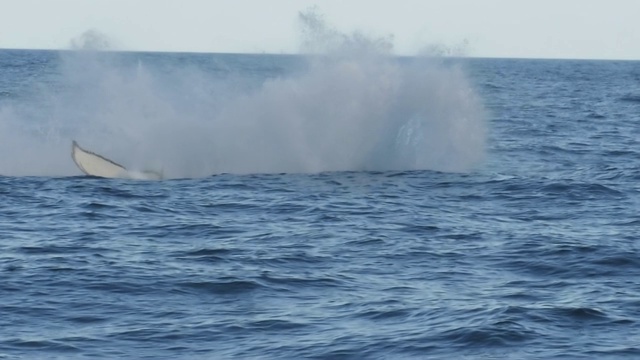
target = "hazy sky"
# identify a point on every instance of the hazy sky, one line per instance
(597, 29)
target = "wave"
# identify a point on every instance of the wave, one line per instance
(631, 98)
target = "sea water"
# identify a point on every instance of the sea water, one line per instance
(335, 206)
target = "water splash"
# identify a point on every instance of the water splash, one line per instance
(348, 104)
(91, 40)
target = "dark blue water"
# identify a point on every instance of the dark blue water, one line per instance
(529, 252)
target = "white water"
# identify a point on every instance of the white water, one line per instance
(353, 106)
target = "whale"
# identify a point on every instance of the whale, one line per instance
(93, 164)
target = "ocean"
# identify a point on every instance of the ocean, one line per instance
(352, 205)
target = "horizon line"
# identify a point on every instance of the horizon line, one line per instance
(487, 57)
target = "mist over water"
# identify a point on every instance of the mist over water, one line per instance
(348, 104)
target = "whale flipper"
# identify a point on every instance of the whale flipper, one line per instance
(97, 165)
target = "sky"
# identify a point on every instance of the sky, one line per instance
(574, 29)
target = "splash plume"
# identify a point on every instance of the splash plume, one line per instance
(347, 103)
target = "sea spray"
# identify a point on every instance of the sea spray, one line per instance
(346, 103)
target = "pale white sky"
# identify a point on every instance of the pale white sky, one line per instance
(595, 29)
